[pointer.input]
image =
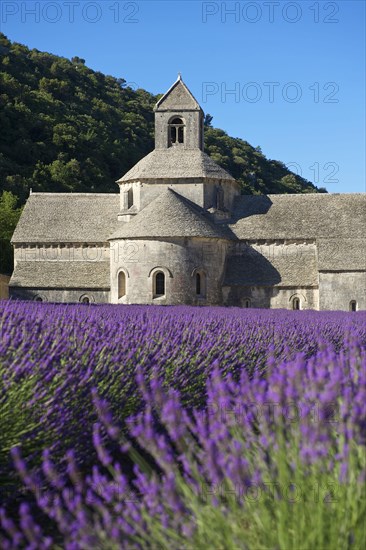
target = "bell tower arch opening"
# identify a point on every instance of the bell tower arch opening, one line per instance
(176, 131)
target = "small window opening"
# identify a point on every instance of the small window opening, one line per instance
(130, 197)
(353, 305)
(85, 299)
(219, 198)
(180, 134)
(38, 299)
(296, 303)
(176, 131)
(159, 284)
(121, 284)
(247, 303)
(198, 283)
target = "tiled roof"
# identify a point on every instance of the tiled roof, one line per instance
(289, 268)
(171, 215)
(176, 163)
(58, 274)
(337, 222)
(67, 217)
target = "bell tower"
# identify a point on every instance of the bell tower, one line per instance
(178, 119)
(178, 161)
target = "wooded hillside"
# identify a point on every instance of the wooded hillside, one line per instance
(67, 128)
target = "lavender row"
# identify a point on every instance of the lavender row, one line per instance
(62, 351)
(294, 423)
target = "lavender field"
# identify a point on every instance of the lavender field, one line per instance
(181, 428)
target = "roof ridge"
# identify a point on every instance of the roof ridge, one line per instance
(40, 193)
(192, 205)
(307, 194)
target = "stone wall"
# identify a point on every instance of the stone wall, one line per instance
(54, 295)
(193, 132)
(270, 297)
(53, 253)
(203, 194)
(230, 191)
(179, 259)
(338, 289)
(4, 288)
(284, 298)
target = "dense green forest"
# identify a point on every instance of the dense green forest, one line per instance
(65, 127)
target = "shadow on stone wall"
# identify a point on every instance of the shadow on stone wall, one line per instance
(251, 205)
(4, 287)
(251, 268)
(246, 272)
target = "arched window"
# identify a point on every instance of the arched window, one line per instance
(121, 284)
(176, 131)
(85, 299)
(247, 303)
(353, 305)
(199, 282)
(296, 303)
(159, 284)
(38, 299)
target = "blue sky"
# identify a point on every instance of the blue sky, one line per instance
(295, 70)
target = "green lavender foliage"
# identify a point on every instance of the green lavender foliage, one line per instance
(181, 427)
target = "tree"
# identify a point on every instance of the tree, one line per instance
(77, 60)
(291, 184)
(66, 127)
(9, 216)
(208, 120)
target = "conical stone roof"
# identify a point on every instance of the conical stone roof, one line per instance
(171, 215)
(176, 163)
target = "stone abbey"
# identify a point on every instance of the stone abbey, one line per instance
(180, 232)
